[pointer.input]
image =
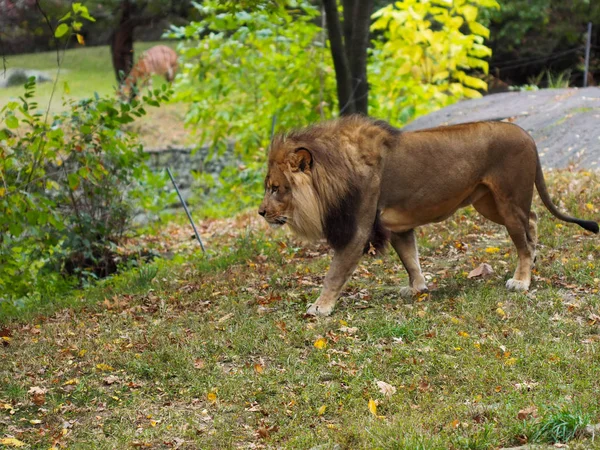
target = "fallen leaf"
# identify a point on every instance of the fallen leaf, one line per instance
(349, 330)
(71, 382)
(526, 413)
(321, 410)
(38, 395)
(320, 343)
(258, 368)
(211, 397)
(386, 389)
(373, 407)
(111, 379)
(483, 270)
(492, 250)
(463, 334)
(501, 312)
(12, 442)
(104, 367)
(199, 363)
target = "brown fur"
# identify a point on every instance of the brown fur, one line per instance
(158, 60)
(355, 180)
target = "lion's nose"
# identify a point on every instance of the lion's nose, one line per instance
(262, 212)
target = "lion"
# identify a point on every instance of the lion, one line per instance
(359, 182)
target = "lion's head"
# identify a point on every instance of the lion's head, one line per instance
(314, 177)
(290, 197)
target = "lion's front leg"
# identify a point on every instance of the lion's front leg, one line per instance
(405, 245)
(342, 266)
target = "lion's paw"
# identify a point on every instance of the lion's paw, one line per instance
(319, 310)
(409, 292)
(517, 285)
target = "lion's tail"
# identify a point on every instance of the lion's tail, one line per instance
(378, 239)
(540, 184)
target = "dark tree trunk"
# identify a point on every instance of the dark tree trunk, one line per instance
(361, 20)
(340, 61)
(121, 43)
(349, 52)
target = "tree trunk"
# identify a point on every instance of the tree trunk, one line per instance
(349, 52)
(361, 21)
(121, 43)
(340, 61)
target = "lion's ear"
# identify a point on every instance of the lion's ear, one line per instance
(301, 160)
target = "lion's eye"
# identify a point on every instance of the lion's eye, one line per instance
(274, 189)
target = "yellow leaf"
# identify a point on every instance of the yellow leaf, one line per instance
(2, 191)
(320, 343)
(81, 353)
(322, 410)
(587, 205)
(80, 39)
(501, 312)
(373, 407)
(71, 381)
(463, 334)
(12, 442)
(510, 362)
(104, 367)
(35, 421)
(258, 368)
(153, 423)
(211, 397)
(477, 28)
(343, 323)
(492, 250)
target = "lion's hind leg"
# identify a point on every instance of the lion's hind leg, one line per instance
(405, 245)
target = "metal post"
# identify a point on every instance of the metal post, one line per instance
(186, 210)
(588, 44)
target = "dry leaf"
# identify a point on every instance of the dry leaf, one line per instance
(501, 312)
(349, 330)
(211, 397)
(373, 407)
(492, 250)
(526, 413)
(483, 270)
(12, 442)
(111, 379)
(199, 363)
(320, 343)
(258, 368)
(463, 334)
(321, 410)
(71, 382)
(386, 389)
(104, 367)
(38, 395)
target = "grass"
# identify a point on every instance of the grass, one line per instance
(87, 70)
(216, 352)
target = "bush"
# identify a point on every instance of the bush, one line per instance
(68, 190)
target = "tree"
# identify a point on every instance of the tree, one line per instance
(349, 52)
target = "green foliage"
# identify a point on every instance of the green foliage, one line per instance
(242, 68)
(68, 188)
(425, 58)
(561, 425)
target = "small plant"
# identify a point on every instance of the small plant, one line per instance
(561, 425)
(146, 274)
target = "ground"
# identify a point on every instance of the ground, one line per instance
(564, 122)
(215, 352)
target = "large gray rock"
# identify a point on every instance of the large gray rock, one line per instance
(18, 77)
(565, 123)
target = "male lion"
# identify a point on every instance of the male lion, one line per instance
(355, 181)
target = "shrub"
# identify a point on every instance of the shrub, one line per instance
(68, 190)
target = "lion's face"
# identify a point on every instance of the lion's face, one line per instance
(290, 196)
(277, 203)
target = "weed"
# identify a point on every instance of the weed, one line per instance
(561, 425)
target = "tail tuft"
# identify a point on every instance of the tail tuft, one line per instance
(378, 239)
(589, 225)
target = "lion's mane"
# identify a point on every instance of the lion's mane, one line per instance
(326, 203)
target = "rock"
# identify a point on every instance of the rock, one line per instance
(18, 77)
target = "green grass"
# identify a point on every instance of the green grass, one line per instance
(216, 352)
